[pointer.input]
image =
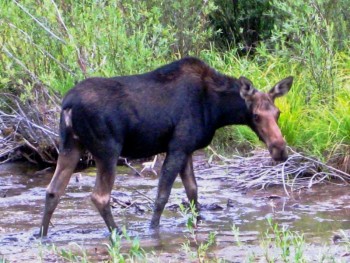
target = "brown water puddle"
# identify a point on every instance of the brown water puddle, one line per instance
(318, 212)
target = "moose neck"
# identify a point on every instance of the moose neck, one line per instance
(229, 108)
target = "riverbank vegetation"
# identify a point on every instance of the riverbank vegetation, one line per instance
(46, 47)
(277, 244)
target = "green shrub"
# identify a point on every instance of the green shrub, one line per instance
(59, 43)
(242, 24)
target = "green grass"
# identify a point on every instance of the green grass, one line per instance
(195, 249)
(289, 245)
(134, 253)
(56, 45)
(69, 255)
(308, 122)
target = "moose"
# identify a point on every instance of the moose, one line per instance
(174, 109)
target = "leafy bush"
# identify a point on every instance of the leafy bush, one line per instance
(57, 44)
(312, 32)
(242, 24)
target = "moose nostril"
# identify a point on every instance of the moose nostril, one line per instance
(50, 195)
(284, 155)
(278, 151)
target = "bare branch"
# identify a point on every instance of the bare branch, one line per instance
(38, 22)
(259, 171)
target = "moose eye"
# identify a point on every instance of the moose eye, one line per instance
(256, 117)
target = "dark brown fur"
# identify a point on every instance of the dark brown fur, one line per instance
(174, 109)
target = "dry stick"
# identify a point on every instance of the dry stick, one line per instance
(318, 162)
(30, 131)
(262, 174)
(60, 19)
(54, 144)
(222, 158)
(123, 205)
(131, 167)
(320, 180)
(333, 175)
(7, 95)
(283, 179)
(37, 21)
(26, 156)
(7, 151)
(42, 50)
(29, 122)
(9, 54)
(296, 176)
(148, 198)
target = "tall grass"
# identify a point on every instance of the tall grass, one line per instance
(60, 42)
(318, 127)
(57, 43)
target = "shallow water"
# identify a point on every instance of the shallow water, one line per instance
(319, 212)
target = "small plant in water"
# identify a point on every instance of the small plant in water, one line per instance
(235, 231)
(69, 255)
(201, 253)
(202, 250)
(191, 214)
(291, 244)
(115, 248)
(135, 253)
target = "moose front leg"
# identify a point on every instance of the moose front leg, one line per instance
(174, 163)
(189, 182)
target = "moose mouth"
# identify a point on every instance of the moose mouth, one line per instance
(278, 154)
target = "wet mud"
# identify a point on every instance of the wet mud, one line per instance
(319, 212)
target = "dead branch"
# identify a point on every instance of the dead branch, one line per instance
(29, 127)
(259, 171)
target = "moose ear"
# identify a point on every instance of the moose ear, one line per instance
(246, 89)
(281, 88)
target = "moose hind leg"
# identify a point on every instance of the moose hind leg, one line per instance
(102, 192)
(66, 164)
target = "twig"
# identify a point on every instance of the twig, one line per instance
(60, 19)
(45, 52)
(37, 21)
(131, 167)
(318, 162)
(145, 196)
(9, 54)
(284, 183)
(258, 171)
(24, 125)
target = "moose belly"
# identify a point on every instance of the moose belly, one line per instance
(144, 145)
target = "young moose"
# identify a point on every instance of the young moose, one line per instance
(174, 109)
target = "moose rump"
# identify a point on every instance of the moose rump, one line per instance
(174, 109)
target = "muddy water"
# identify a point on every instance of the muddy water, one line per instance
(319, 212)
